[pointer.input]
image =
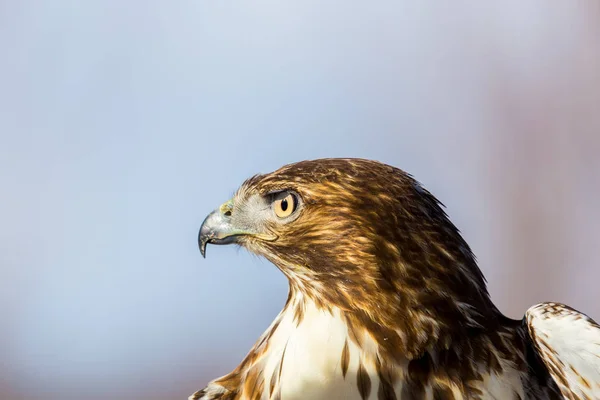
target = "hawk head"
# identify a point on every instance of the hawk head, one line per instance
(364, 237)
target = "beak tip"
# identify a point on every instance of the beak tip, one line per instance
(202, 240)
(202, 245)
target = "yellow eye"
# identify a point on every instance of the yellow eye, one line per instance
(284, 204)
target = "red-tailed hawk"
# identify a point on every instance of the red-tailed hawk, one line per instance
(386, 300)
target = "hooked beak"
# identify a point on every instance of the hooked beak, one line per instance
(218, 228)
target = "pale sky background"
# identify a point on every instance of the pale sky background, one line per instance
(123, 124)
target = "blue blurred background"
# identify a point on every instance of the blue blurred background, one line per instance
(122, 124)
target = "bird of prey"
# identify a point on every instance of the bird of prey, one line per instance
(386, 300)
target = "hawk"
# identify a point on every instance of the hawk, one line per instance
(386, 300)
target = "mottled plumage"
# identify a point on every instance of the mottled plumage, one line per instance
(386, 300)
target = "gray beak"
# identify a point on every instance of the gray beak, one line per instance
(217, 229)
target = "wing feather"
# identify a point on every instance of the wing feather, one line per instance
(568, 342)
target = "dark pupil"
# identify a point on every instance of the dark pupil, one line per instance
(284, 205)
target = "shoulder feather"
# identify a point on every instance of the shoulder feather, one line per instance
(568, 342)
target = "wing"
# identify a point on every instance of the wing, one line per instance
(568, 342)
(212, 392)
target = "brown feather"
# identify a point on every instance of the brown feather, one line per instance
(372, 242)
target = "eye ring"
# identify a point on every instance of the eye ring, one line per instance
(284, 204)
